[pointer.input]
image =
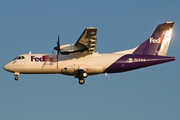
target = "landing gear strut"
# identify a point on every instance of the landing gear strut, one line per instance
(16, 74)
(81, 74)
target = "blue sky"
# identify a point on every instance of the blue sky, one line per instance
(151, 93)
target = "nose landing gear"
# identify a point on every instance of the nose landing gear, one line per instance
(16, 74)
(81, 74)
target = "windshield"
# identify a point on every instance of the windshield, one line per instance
(19, 57)
(15, 58)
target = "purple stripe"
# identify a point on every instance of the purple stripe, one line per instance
(131, 62)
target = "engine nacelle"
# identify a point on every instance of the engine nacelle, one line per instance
(70, 48)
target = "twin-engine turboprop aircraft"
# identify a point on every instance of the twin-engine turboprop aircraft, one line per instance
(80, 60)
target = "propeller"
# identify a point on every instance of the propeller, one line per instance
(58, 47)
(58, 50)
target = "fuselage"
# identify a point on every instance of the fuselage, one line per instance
(64, 64)
(92, 63)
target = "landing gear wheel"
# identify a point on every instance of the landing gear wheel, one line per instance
(84, 75)
(81, 81)
(81, 74)
(16, 78)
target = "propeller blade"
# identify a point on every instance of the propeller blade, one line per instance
(58, 47)
(58, 42)
(58, 50)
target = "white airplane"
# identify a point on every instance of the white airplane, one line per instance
(80, 60)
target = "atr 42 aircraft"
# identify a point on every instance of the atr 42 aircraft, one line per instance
(80, 60)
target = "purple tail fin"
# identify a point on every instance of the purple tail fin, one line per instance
(158, 43)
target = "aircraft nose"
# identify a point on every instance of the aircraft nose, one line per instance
(6, 67)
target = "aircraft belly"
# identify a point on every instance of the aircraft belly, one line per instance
(91, 65)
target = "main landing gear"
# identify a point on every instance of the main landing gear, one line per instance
(81, 74)
(16, 74)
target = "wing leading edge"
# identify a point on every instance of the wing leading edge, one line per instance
(87, 40)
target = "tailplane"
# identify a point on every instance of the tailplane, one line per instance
(158, 43)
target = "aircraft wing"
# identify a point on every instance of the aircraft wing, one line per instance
(87, 40)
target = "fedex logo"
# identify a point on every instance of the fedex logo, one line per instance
(41, 59)
(159, 40)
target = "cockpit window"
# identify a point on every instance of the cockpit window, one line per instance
(19, 57)
(15, 58)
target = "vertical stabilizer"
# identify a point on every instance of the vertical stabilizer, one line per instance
(158, 43)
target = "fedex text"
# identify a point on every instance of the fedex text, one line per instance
(42, 59)
(159, 40)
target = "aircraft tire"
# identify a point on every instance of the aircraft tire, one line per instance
(81, 81)
(84, 74)
(16, 78)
